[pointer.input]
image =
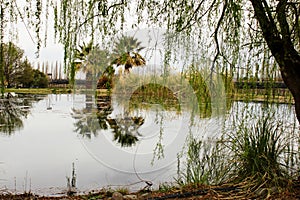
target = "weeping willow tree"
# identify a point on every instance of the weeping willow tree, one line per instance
(230, 32)
(234, 34)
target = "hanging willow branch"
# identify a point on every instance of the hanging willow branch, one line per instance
(38, 24)
(1, 48)
(23, 21)
(217, 32)
(103, 11)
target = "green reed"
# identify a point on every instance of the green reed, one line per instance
(261, 148)
(202, 163)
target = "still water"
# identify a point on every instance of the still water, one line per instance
(110, 143)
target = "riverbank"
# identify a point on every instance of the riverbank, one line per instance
(226, 191)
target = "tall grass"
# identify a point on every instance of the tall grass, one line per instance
(262, 148)
(256, 148)
(203, 163)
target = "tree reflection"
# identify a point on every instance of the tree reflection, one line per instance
(86, 122)
(90, 121)
(104, 109)
(13, 109)
(124, 127)
(154, 94)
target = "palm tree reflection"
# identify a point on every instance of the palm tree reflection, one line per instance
(86, 122)
(104, 109)
(90, 121)
(124, 127)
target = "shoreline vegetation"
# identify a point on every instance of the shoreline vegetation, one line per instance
(248, 95)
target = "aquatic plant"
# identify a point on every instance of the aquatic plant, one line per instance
(71, 182)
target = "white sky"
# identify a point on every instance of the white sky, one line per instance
(52, 52)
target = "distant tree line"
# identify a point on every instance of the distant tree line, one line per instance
(17, 70)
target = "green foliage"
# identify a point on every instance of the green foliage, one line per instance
(257, 147)
(12, 62)
(87, 124)
(14, 109)
(98, 61)
(11, 116)
(166, 187)
(151, 94)
(24, 76)
(126, 44)
(122, 190)
(83, 51)
(19, 72)
(124, 47)
(197, 80)
(40, 80)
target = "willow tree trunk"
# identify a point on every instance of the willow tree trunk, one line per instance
(280, 43)
(290, 73)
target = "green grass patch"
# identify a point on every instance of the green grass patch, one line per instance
(39, 90)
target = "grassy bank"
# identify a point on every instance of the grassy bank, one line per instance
(260, 95)
(39, 90)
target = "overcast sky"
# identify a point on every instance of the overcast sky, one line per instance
(51, 53)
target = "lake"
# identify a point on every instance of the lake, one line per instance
(110, 143)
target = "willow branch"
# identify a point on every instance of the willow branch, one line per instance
(284, 26)
(101, 13)
(216, 34)
(268, 11)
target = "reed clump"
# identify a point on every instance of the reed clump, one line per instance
(203, 163)
(257, 148)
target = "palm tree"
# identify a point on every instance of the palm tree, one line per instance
(92, 60)
(83, 51)
(126, 44)
(129, 60)
(126, 52)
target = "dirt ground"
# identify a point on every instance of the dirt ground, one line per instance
(199, 192)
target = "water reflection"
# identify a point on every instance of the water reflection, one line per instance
(13, 109)
(86, 122)
(154, 94)
(90, 121)
(124, 126)
(157, 134)
(104, 108)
